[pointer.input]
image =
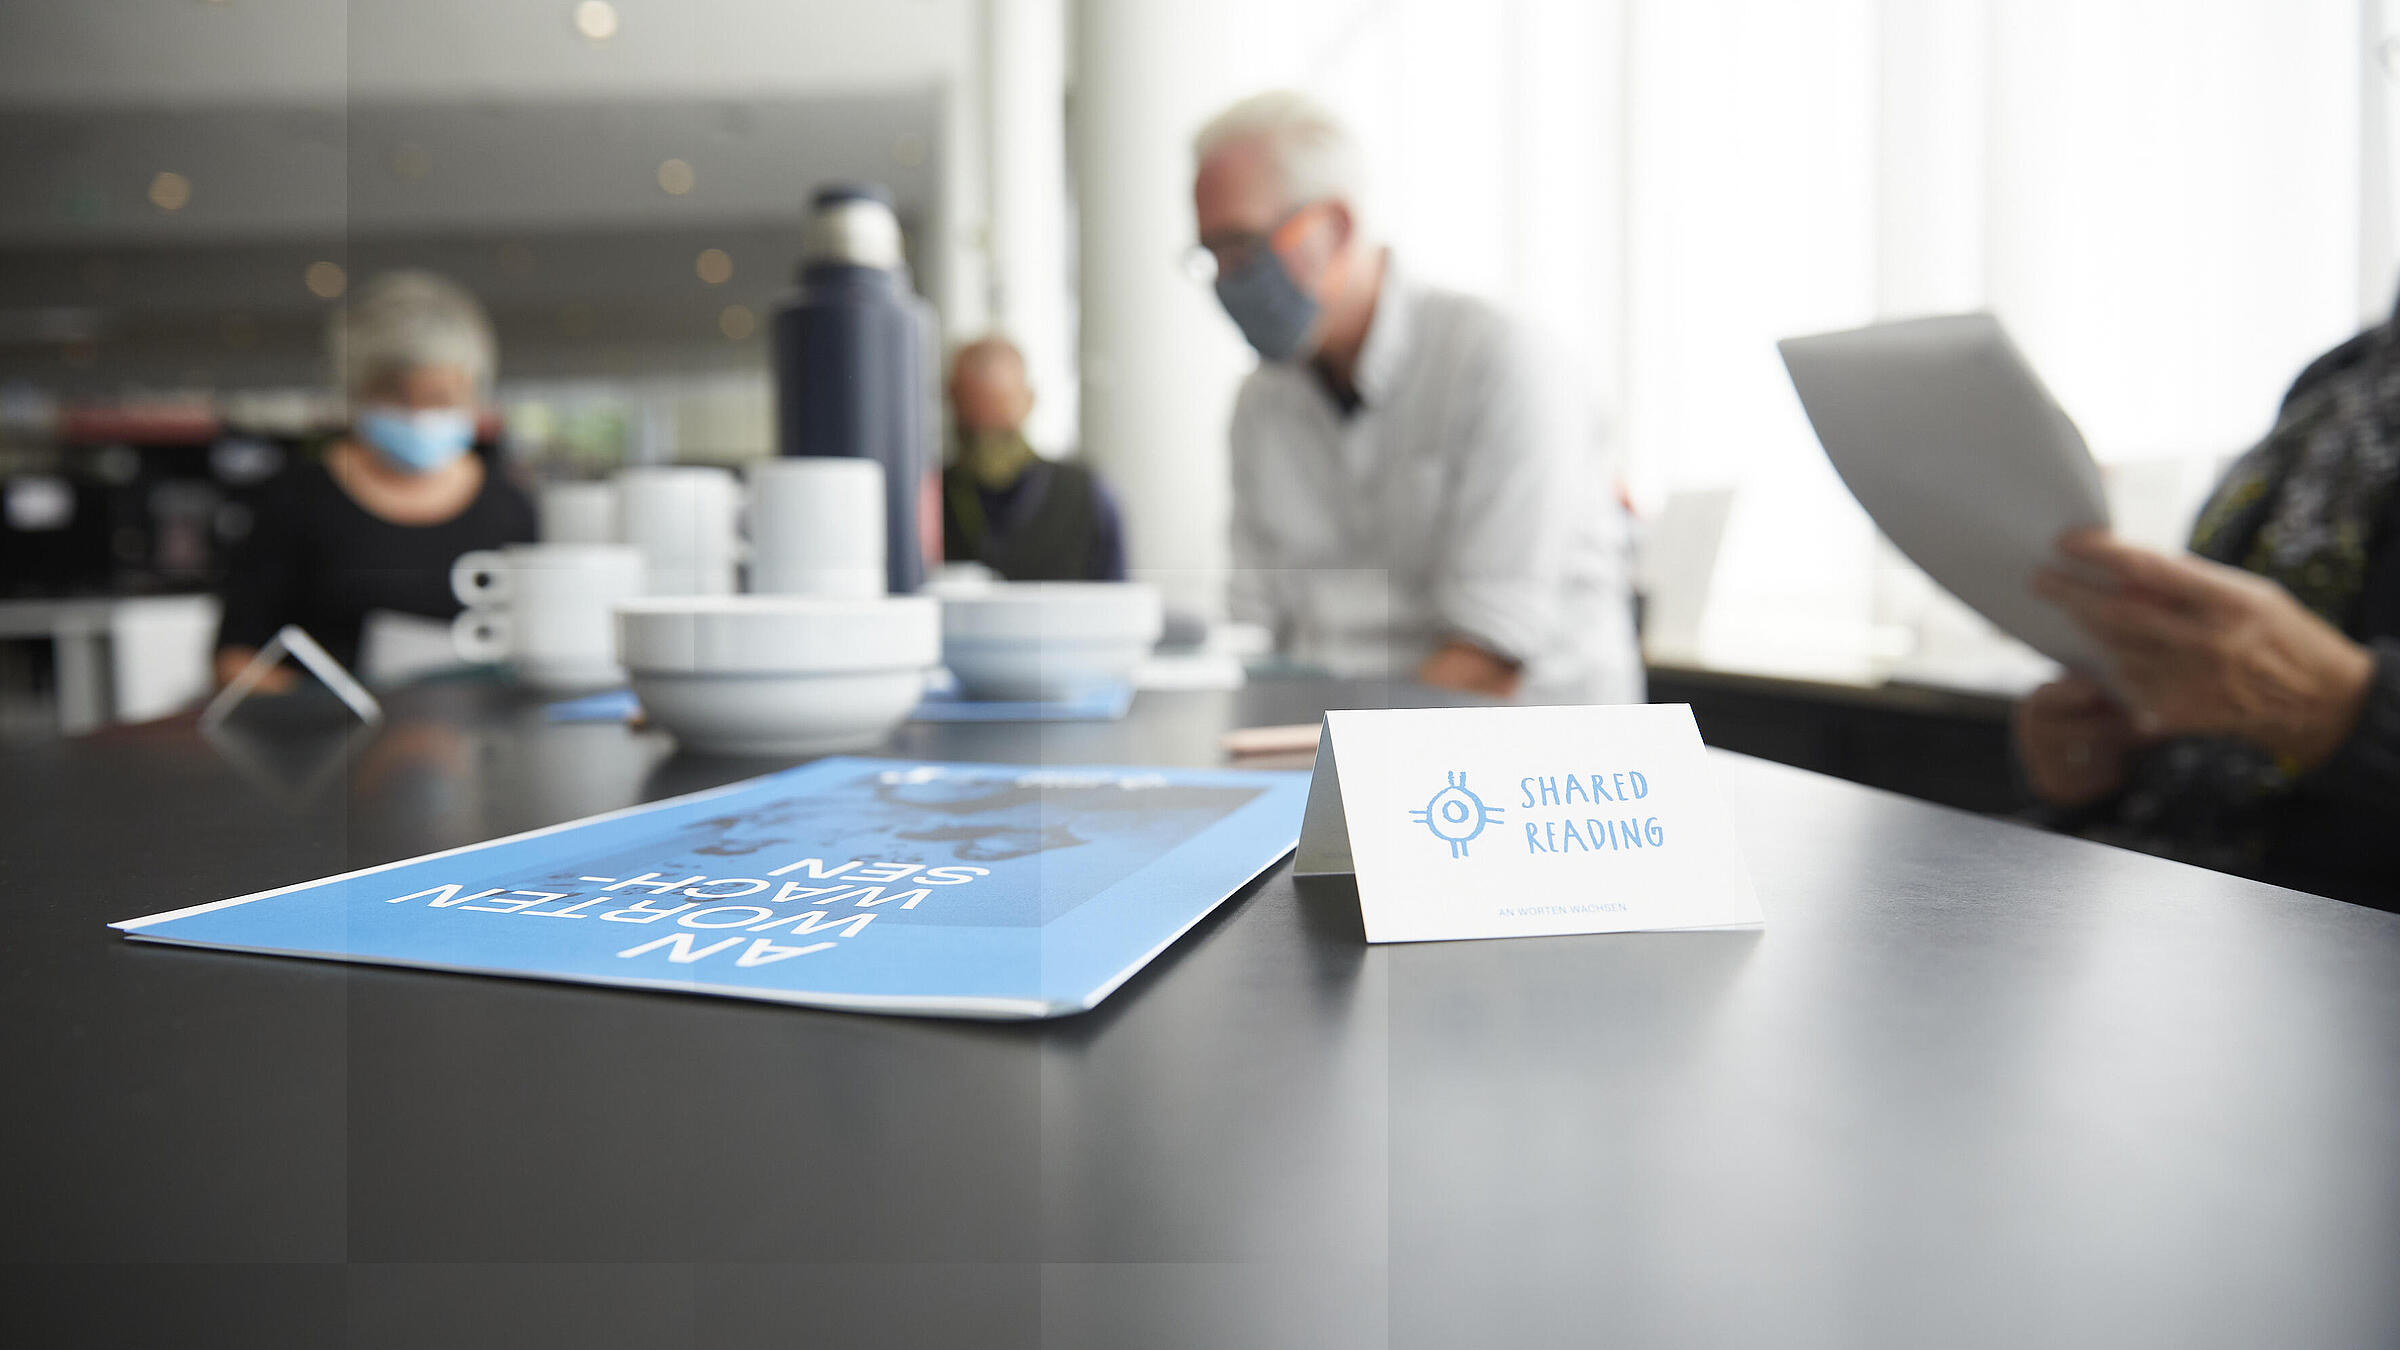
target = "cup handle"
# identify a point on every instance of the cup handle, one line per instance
(479, 577)
(481, 636)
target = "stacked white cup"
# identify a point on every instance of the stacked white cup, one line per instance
(545, 609)
(816, 527)
(681, 516)
(577, 512)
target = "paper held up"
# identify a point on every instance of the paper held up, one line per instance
(1949, 440)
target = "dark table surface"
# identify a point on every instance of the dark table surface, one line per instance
(1971, 1085)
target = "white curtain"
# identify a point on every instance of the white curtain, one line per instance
(2171, 203)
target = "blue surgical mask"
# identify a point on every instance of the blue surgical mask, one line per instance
(419, 441)
(1268, 306)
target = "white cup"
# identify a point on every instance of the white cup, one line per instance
(816, 527)
(681, 516)
(578, 513)
(546, 610)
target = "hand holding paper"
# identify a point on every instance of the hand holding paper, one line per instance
(2075, 740)
(2199, 648)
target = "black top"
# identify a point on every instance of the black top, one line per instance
(1057, 522)
(316, 558)
(2337, 832)
(1967, 1076)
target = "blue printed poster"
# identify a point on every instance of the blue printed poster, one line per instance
(963, 890)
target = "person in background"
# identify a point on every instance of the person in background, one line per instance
(2254, 721)
(1025, 517)
(376, 521)
(1416, 486)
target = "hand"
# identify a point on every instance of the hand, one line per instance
(231, 661)
(1464, 666)
(2074, 740)
(2202, 649)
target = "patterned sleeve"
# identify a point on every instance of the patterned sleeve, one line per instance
(2366, 770)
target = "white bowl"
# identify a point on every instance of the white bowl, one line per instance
(780, 714)
(778, 674)
(1044, 640)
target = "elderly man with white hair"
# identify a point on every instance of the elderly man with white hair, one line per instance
(1416, 485)
(375, 522)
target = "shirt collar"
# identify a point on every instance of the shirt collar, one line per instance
(1386, 348)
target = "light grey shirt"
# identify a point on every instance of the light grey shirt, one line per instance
(1463, 498)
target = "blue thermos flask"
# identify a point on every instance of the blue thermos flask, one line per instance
(854, 356)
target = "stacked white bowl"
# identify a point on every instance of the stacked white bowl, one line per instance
(779, 674)
(1047, 640)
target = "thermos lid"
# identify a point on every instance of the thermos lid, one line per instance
(852, 224)
(829, 193)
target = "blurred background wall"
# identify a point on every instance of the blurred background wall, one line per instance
(2173, 205)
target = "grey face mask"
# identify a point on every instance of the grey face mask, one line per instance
(1268, 306)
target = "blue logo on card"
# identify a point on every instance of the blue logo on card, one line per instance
(1456, 815)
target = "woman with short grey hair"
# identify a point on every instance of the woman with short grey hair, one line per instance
(374, 522)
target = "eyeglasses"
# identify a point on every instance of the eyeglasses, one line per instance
(1228, 253)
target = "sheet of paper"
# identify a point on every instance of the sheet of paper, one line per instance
(293, 641)
(1948, 439)
(609, 705)
(1103, 703)
(1520, 822)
